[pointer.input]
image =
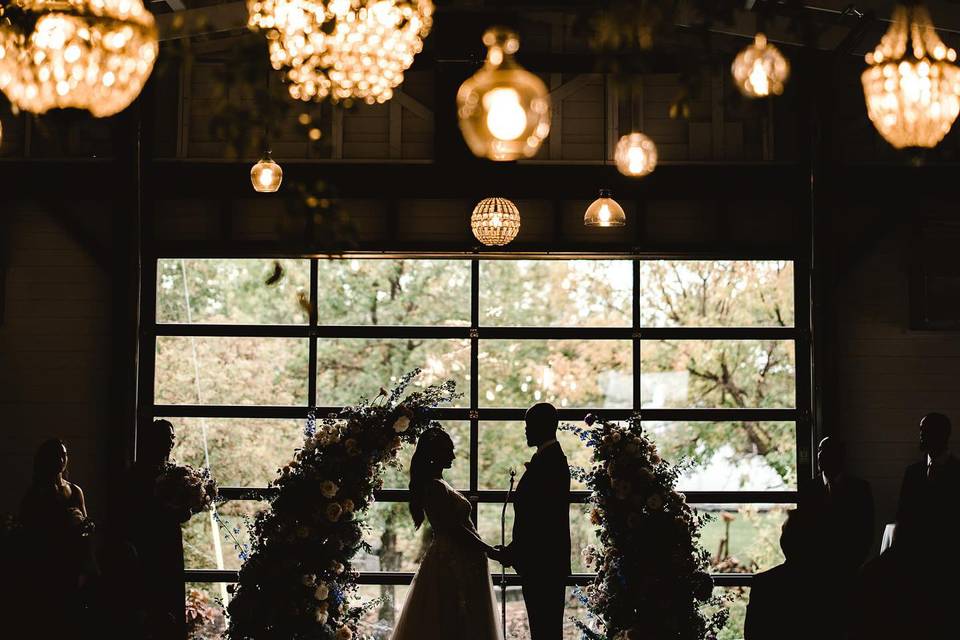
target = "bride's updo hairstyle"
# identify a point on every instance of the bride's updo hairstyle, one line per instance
(423, 467)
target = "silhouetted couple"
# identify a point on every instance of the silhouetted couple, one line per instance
(451, 595)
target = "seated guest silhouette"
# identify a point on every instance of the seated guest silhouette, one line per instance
(843, 511)
(930, 493)
(780, 606)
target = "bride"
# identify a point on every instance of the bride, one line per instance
(451, 595)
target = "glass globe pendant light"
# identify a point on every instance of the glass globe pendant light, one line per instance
(495, 221)
(503, 109)
(760, 70)
(604, 212)
(635, 155)
(266, 175)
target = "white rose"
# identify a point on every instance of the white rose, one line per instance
(321, 592)
(402, 424)
(309, 580)
(328, 488)
(321, 616)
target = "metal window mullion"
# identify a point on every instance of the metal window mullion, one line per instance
(474, 385)
(637, 345)
(312, 345)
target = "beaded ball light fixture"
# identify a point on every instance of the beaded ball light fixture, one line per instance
(760, 69)
(83, 54)
(635, 155)
(503, 109)
(342, 49)
(604, 212)
(495, 221)
(912, 86)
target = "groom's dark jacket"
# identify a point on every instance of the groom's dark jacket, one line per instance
(541, 524)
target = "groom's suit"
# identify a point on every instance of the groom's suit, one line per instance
(540, 550)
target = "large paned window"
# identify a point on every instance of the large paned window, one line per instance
(707, 351)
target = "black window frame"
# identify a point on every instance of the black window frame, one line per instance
(800, 415)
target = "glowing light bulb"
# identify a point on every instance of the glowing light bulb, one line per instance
(604, 214)
(758, 78)
(266, 175)
(506, 118)
(635, 155)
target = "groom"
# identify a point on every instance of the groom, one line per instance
(540, 550)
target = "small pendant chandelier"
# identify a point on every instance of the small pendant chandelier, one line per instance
(760, 70)
(495, 221)
(266, 175)
(503, 109)
(912, 87)
(604, 212)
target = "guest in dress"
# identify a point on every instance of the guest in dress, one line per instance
(153, 529)
(781, 599)
(930, 493)
(55, 551)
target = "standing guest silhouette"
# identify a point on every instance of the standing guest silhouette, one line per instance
(153, 530)
(540, 549)
(56, 552)
(780, 606)
(930, 493)
(843, 508)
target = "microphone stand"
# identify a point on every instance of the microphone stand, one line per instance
(503, 568)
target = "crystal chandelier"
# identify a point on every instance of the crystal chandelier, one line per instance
(495, 221)
(266, 175)
(635, 155)
(83, 54)
(341, 49)
(504, 110)
(604, 212)
(760, 69)
(912, 86)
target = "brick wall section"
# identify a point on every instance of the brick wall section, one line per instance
(54, 355)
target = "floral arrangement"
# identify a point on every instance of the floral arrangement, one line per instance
(183, 488)
(298, 579)
(652, 580)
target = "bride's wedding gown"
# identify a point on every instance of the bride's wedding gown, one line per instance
(451, 596)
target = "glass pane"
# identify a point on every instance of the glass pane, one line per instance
(379, 621)
(743, 538)
(228, 291)
(243, 452)
(503, 446)
(730, 456)
(199, 370)
(394, 292)
(735, 599)
(205, 610)
(395, 544)
(202, 535)
(458, 475)
(717, 373)
(568, 373)
(348, 368)
(716, 293)
(582, 533)
(556, 293)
